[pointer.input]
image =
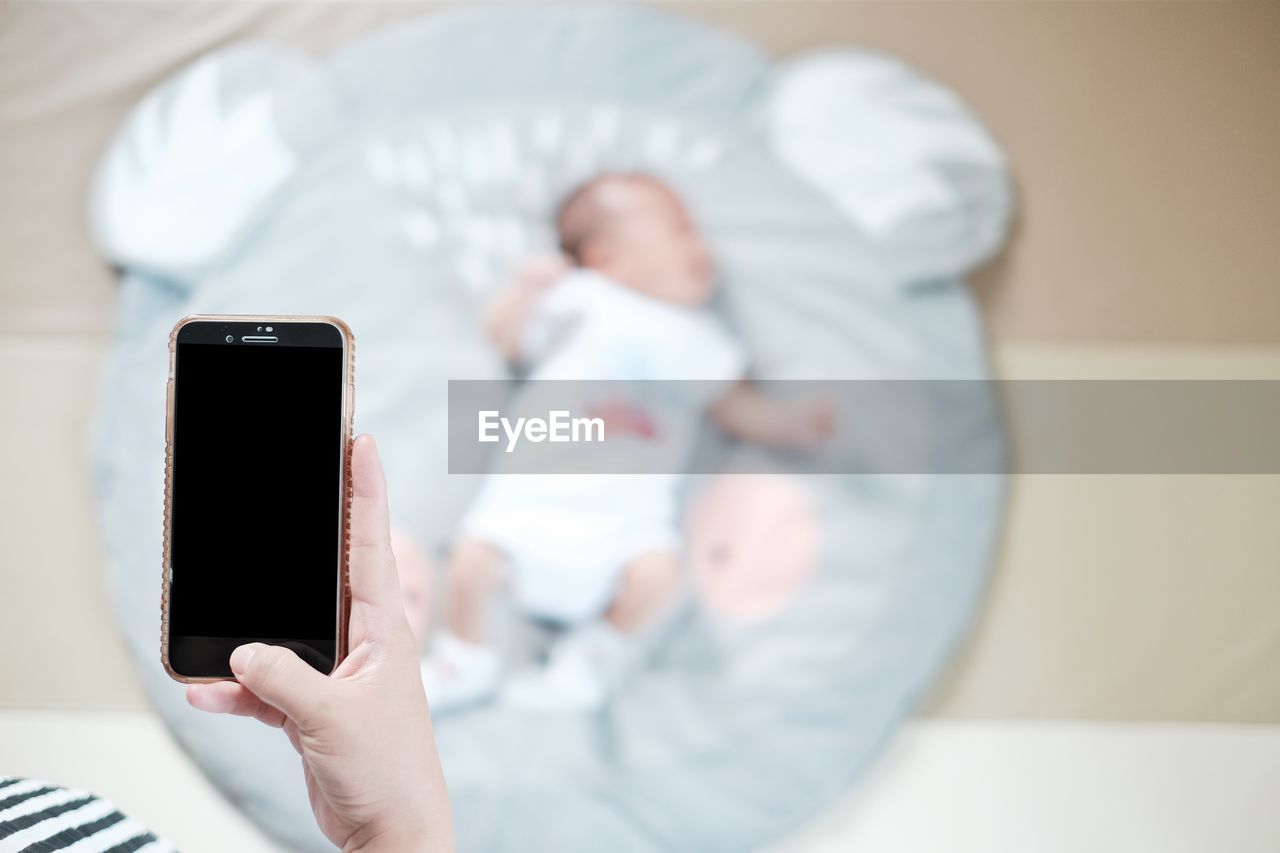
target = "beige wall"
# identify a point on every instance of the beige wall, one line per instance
(1143, 136)
(1144, 139)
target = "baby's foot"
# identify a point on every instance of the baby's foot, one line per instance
(584, 668)
(458, 674)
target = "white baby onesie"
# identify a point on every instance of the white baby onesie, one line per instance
(567, 537)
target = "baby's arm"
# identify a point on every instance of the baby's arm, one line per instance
(507, 313)
(748, 414)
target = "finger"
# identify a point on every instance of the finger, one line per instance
(230, 697)
(372, 566)
(278, 677)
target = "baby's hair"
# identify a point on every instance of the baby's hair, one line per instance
(583, 213)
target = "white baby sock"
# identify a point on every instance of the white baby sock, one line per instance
(457, 673)
(584, 667)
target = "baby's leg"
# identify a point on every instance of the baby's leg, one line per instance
(649, 584)
(414, 567)
(589, 661)
(464, 668)
(474, 576)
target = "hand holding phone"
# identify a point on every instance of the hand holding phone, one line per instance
(364, 732)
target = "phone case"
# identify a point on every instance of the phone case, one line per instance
(343, 592)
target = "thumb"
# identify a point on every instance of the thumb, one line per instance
(278, 677)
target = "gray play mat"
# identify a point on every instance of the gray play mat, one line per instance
(392, 184)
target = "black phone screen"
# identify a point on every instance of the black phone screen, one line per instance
(257, 493)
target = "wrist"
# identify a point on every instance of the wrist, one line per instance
(409, 836)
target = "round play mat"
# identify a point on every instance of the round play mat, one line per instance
(392, 184)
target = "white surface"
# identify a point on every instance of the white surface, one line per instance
(941, 786)
(128, 758)
(1063, 787)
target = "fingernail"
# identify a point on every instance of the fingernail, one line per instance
(242, 655)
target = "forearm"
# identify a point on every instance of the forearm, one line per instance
(748, 415)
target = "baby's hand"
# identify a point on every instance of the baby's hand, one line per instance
(539, 272)
(505, 316)
(748, 414)
(810, 422)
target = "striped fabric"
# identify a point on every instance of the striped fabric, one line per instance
(36, 816)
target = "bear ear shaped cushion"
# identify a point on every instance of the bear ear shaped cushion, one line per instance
(752, 543)
(902, 156)
(202, 158)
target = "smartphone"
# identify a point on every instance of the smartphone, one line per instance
(257, 491)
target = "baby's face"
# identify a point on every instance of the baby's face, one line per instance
(652, 244)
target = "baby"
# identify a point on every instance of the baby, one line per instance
(599, 554)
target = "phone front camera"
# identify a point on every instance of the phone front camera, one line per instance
(230, 338)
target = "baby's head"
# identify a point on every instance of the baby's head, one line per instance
(634, 229)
